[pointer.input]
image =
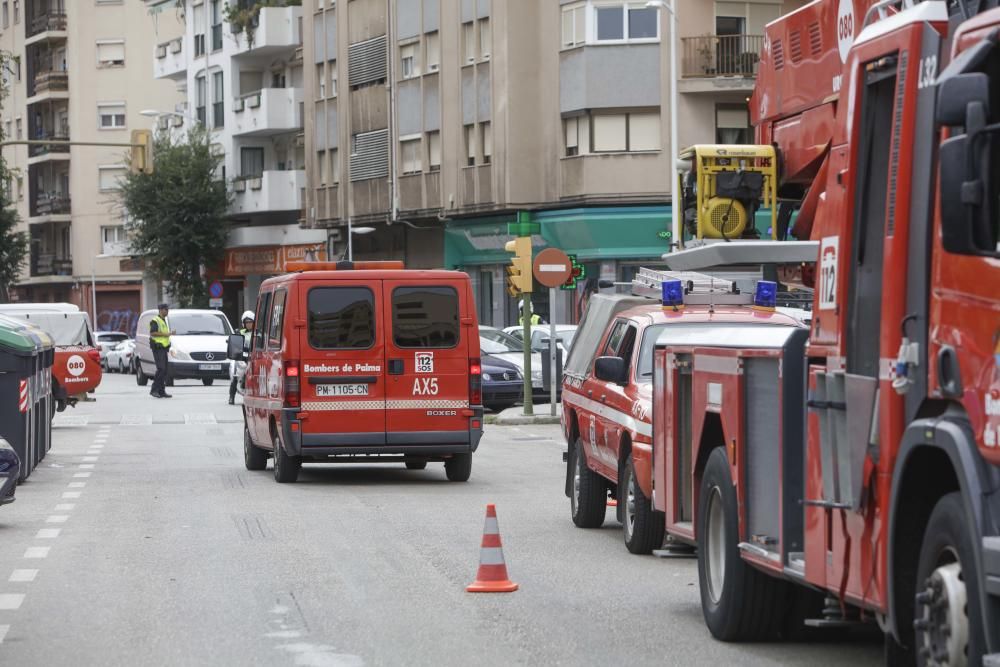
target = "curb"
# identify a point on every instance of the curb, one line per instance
(515, 417)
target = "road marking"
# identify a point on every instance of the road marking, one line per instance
(57, 518)
(22, 576)
(97, 447)
(4, 629)
(70, 420)
(11, 601)
(48, 533)
(90, 458)
(86, 466)
(77, 485)
(37, 552)
(199, 418)
(65, 507)
(82, 474)
(137, 420)
(71, 494)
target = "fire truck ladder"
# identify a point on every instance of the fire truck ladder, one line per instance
(698, 287)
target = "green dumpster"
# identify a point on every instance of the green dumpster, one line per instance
(26, 356)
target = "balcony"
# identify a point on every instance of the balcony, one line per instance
(268, 111)
(273, 191)
(49, 84)
(711, 63)
(47, 26)
(170, 60)
(50, 264)
(50, 152)
(48, 205)
(277, 31)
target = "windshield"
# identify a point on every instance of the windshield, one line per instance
(105, 337)
(644, 369)
(540, 339)
(200, 324)
(497, 342)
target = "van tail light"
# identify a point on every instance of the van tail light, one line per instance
(475, 382)
(95, 355)
(293, 391)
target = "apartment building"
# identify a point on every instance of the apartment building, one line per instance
(242, 78)
(81, 73)
(433, 121)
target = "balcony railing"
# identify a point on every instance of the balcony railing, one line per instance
(51, 264)
(62, 135)
(721, 55)
(51, 80)
(52, 203)
(47, 22)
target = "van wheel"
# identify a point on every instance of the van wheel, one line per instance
(588, 500)
(458, 468)
(254, 457)
(643, 527)
(286, 468)
(739, 603)
(416, 465)
(140, 378)
(207, 381)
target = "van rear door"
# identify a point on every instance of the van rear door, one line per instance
(343, 364)
(427, 357)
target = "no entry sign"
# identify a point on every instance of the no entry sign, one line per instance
(552, 267)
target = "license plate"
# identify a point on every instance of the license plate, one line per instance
(210, 367)
(341, 390)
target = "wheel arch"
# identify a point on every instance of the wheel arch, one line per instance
(572, 433)
(712, 437)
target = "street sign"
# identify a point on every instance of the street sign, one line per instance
(552, 267)
(215, 290)
(215, 303)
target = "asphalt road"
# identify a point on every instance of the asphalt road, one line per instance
(143, 540)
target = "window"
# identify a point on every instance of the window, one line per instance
(111, 115)
(320, 81)
(251, 162)
(199, 26)
(200, 95)
(409, 155)
(324, 167)
(627, 22)
(632, 132)
(574, 26)
(572, 130)
(335, 164)
(410, 58)
(6, 15)
(110, 177)
(432, 43)
(113, 240)
(216, 26)
(263, 308)
(485, 39)
(434, 151)
(469, 42)
(17, 11)
(486, 141)
(643, 132)
(610, 133)
(643, 23)
(199, 45)
(732, 124)
(18, 125)
(610, 23)
(425, 317)
(277, 319)
(341, 318)
(111, 53)
(218, 104)
(332, 69)
(470, 144)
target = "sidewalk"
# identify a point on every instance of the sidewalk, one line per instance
(515, 416)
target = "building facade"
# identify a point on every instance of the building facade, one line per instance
(434, 121)
(239, 72)
(80, 72)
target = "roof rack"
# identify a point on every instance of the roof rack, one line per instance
(699, 288)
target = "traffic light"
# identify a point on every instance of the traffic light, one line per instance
(142, 152)
(519, 272)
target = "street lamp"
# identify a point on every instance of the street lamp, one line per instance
(675, 218)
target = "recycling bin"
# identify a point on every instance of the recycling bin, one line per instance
(26, 356)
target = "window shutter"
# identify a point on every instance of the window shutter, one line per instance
(110, 53)
(367, 61)
(609, 132)
(644, 132)
(370, 158)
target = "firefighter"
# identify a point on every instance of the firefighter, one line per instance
(238, 377)
(159, 342)
(535, 319)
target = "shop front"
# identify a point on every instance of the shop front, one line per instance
(246, 268)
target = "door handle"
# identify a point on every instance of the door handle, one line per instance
(604, 398)
(590, 392)
(395, 367)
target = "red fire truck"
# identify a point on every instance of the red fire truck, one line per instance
(862, 463)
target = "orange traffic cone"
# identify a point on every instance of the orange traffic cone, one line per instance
(492, 575)
(612, 502)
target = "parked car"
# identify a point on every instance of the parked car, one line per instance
(10, 470)
(119, 358)
(500, 345)
(106, 341)
(197, 350)
(503, 384)
(565, 333)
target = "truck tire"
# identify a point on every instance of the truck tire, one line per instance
(642, 526)
(416, 465)
(458, 468)
(739, 602)
(141, 378)
(254, 457)
(286, 468)
(588, 500)
(943, 601)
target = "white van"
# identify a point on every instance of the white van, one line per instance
(197, 351)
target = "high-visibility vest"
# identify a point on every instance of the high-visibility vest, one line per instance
(535, 319)
(162, 335)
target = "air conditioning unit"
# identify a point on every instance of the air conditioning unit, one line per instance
(238, 104)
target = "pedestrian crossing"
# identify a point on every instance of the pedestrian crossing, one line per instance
(188, 418)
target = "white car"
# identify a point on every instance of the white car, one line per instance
(119, 358)
(540, 336)
(106, 341)
(496, 343)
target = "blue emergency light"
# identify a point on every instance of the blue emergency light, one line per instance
(765, 296)
(673, 294)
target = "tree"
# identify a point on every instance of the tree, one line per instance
(178, 213)
(13, 243)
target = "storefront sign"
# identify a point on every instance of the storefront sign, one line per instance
(270, 260)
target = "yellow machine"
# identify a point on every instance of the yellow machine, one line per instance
(723, 187)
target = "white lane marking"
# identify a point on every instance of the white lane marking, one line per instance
(11, 601)
(4, 629)
(87, 466)
(48, 533)
(90, 458)
(94, 450)
(82, 475)
(71, 494)
(77, 485)
(97, 446)
(36, 552)
(65, 507)
(57, 518)
(22, 576)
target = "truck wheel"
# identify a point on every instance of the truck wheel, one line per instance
(254, 457)
(458, 468)
(416, 465)
(945, 633)
(207, 381)
(643, 527)
(286, 468)
(739, 602)
(140, 378)
(588, 501)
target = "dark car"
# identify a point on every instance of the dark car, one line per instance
(503, 385)
(10, 470)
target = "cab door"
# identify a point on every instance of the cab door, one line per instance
(343, 385)
(254, 401)
(427, 356)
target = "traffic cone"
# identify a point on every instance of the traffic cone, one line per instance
(492, 575)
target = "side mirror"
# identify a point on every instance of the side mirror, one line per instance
(958, 93)
(611, 369)
(236, 345)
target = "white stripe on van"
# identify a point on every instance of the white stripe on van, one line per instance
(617, 416)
